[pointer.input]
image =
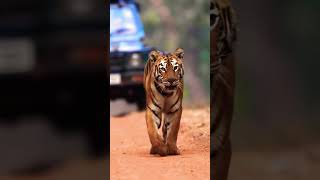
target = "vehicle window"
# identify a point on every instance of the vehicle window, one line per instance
(122, 20)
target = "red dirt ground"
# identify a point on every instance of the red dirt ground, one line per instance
(129, 149)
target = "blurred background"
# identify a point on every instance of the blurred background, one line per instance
(53, 89)
(167, 25)
(275, 132)
(137, 27)
(182, 23)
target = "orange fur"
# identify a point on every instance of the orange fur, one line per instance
(163, 83)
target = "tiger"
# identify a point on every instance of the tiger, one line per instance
(163, 84)
(222, 75)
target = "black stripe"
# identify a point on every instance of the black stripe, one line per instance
(157, 87)
(155, 113)
(155, 103)
(153, 96)
(175, 102)
(174, 111)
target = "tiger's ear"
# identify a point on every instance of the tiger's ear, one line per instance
(153, 55)
(179, 53)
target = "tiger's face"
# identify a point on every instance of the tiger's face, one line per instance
(168, 69)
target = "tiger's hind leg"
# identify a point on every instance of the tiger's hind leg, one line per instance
(153, 120)
(172, 125)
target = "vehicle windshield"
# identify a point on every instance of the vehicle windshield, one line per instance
(122, 20)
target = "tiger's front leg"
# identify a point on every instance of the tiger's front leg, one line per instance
(170, 131)
(153, 119)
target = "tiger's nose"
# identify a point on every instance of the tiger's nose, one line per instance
(171, 80)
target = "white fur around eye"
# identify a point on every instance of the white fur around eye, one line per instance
(174, 64)
(163, 65)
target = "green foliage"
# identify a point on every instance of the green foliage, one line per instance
(191, 20)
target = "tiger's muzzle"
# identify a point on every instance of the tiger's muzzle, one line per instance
(171, 84)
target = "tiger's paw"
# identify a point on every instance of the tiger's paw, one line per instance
(173, 150)
(153, 150)
(161, 150)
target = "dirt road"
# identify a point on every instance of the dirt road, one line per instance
(129, 149)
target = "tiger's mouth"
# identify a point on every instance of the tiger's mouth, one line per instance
(171, 87)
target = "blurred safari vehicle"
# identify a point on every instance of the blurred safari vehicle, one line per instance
(128, 52)
(52, 71)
